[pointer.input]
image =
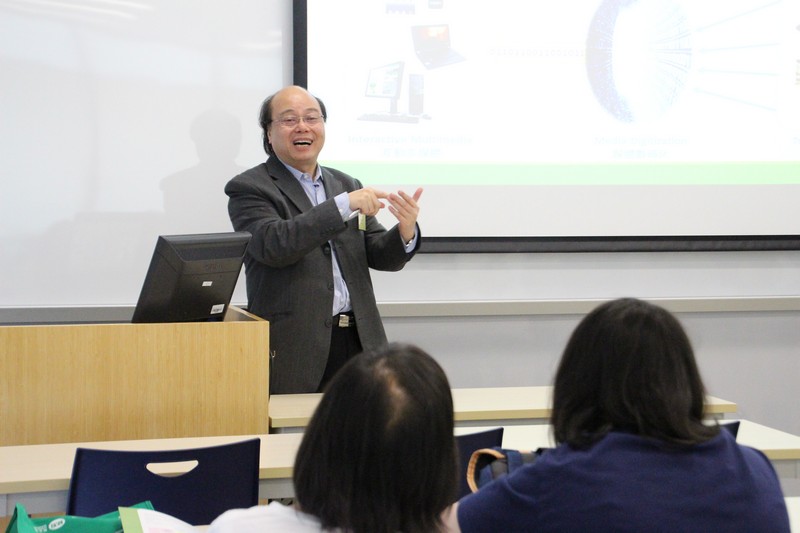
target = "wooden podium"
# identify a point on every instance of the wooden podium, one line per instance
(96, 382)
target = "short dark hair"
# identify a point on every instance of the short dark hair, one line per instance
(265, 119)
(378, 454)
(629, 366)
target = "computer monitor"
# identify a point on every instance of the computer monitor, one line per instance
(191, 278)
(386, 81)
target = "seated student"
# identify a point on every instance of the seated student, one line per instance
(633, 453)
(378, 455)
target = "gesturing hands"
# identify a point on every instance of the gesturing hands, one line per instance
(401, 205)
(367, 200)
(405, 210)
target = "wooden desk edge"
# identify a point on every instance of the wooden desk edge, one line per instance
(781, 455)
(275, 473)
(460, 416)
(39, 485)
(505, 414)
(288, 422)
(718, 409)
(280, 422)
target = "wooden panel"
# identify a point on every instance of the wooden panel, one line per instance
(90, 382)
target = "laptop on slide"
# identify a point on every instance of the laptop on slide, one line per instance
(432, 45)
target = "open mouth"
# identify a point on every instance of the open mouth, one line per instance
(302, 142)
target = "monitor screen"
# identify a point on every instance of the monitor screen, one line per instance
(191, 277)
(385, 81)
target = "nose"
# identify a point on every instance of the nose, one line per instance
(300, 126)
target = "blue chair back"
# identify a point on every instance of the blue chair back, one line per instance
(732, 426)
(225, 477)
(467, 444)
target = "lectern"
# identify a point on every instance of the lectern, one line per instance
(97, 382)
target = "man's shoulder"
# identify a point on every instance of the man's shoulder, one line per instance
(258, 171)
(258, 176)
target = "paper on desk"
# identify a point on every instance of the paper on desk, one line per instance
(149, 521)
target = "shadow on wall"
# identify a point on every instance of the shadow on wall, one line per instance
(194, 200)
(101, 257)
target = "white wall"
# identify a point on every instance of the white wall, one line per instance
(85, 145)
(121, 122)
(741, 310)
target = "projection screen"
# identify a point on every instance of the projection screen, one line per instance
(632, 124)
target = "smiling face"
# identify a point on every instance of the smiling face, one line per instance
(298, 145)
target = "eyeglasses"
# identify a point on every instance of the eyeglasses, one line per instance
(291, 122)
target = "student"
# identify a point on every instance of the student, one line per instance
(377, 456)
(633, 453)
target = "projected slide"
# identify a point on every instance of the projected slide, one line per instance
(611, 117)
(638, 57)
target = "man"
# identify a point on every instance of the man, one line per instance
(314, 240)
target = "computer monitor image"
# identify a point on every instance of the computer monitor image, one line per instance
(191, 278)
(386, 82)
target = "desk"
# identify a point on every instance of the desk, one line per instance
(782, 449)
(473, 407)
(37, 476)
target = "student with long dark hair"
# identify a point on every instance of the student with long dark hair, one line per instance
(633, 451)
(377, 456)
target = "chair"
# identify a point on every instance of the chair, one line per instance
(467, 444)
(732, 426)
(224, 477)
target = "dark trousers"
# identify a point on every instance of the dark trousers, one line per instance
(344, 345)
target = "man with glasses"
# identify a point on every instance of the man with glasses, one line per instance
(315, 237)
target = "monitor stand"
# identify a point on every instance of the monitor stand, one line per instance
(391, 116)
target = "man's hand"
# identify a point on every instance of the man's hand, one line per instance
(367, 200)
(406, 210)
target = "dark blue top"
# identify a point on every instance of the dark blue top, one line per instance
(629, 483)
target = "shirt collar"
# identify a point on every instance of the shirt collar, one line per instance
(300, 176)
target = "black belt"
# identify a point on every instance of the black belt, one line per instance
(344, 320)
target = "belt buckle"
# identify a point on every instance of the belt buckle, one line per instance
(344, 321)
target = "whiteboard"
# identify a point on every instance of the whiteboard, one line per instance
(122, 121)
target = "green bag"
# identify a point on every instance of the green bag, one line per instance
(107, 523)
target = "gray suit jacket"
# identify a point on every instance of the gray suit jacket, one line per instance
(288, 267)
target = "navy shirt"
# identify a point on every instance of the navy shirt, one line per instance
(629, 483)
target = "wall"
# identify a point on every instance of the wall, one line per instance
(100, 108)
(495, 320)
(121, 123)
